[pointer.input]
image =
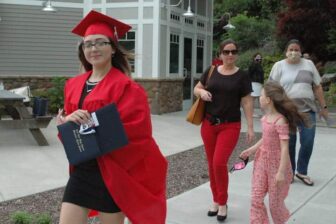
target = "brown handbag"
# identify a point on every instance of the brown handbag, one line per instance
(196, 112)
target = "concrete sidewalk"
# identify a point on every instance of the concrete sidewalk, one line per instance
(26, 168)
(308, 205)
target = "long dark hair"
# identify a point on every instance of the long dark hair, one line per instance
(120, 58)
(284, 105)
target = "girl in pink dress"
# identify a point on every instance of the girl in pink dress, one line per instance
(272, 172)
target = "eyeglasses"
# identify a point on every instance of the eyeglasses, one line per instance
(240, 165)
(98, 44)
(227, 52)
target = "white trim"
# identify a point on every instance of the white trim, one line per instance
(188, 29)
(167, 42)
(136, 40)
(103, 6)
(87, 7)
(136, 21)
(156, 40)
(128, 4)
(211, 32)
(139, 36)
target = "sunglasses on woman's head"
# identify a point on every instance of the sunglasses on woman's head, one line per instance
(239, 165)
(227, 52)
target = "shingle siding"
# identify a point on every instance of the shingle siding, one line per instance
(33, 42)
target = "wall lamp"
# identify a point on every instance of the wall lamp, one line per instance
(228, 26)
(47, 7)
(188, 13)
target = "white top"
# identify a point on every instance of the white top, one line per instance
(298, 81)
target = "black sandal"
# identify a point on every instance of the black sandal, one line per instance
(305, 179)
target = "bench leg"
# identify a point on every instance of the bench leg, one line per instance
(39, 137)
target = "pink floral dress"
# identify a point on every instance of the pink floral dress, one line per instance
(266, 165)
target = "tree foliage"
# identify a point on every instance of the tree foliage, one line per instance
(223, 10)
(266, 9)
(256, 8)
(251, 32)
(331, 40)
(258, 11)
(309, 21)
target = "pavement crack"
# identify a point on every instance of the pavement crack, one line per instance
(313, 195)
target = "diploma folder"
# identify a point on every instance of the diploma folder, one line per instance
(108, 135)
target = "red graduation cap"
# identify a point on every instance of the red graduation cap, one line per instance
(98, 23)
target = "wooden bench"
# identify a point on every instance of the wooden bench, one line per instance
(20, 118)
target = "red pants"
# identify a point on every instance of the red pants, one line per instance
(219, 142)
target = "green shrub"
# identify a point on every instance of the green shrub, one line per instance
(268, 62)
(330, 95)
(251, 32)
(245, 59)
(54, 94)
(21, 217)
(330, 67)
(43, 219)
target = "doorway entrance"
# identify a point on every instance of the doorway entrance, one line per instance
(187, 83)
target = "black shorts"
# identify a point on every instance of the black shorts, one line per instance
(86, 188)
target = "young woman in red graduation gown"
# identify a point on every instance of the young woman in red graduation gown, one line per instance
(130, 181)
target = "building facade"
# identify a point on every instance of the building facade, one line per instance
(171, 50)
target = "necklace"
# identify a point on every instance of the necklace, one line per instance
(90, 85)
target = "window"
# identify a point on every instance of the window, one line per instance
(175, 17)
(174, 53)
(200, 24)
(200, 52)
(188, 21)
(128, 42)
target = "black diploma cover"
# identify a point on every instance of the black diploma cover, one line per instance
(108, 135)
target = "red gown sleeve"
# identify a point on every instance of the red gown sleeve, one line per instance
(135, 175)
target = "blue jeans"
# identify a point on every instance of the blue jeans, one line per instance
(307, 136)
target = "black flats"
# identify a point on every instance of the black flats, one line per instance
(221, 218)
(212, 213)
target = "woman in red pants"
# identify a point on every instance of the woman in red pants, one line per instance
(227, 88)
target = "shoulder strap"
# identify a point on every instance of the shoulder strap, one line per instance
(209, 74)
(276, 120)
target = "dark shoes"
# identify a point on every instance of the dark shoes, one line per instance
(221, 218)
(212, 213)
